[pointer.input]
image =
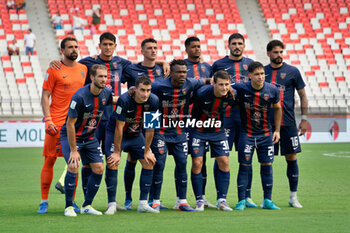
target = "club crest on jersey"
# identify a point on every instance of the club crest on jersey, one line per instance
(224, 104)
(195, 150)
(82, 74)
(245, 66)
(115, 65)
(161, 150)
(283, 75)
(146, 107)
(158, 71)
(103, 101)
(184, 91)
(266, 96)
(203, 69)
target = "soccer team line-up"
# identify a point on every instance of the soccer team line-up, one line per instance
(236, 102)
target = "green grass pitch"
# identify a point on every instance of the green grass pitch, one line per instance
(324, 191)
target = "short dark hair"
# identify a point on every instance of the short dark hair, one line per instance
(143, 80)
(274, 43)
(68, 38)
(94, 68)
(108, 36)
(236, 36)
(254, 65)
(189, 40)
(177, 62)
(148, 40)
(221, 75)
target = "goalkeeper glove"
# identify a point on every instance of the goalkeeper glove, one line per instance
(50, 127)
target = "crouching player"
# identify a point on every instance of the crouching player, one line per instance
(255, 98)
(78, 137)
(209, 105)
(125, 127)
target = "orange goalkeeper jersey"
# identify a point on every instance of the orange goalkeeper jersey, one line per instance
(63, 84)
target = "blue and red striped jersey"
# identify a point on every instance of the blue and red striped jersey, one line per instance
(198, 70)
(174, 106)
(88, 109)
(238, 71)
(115, 70)
(131, 113)
(287, 79)
(255, 107)
(134, 71)
(207, 106)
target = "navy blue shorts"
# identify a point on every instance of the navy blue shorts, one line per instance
(135, 146)
(160, 146)
(232, 134)
(89, 150)
(100, 134)
(198, 146)
(262, 144)
(289, 141)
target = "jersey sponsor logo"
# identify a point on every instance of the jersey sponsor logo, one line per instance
(73, 104)
(151, 120)
(245, 66)
(158, 71)
(257, 117)
(119, 110)
(115, 65)
(266, 96)
(92, 123)
(283, 75)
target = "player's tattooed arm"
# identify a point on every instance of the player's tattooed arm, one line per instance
(74, 158)
(277, 113)
(304, 110)
(114, 158)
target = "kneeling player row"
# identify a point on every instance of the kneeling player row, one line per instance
(125, 126)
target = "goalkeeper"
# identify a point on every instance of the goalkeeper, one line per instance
(60, 85)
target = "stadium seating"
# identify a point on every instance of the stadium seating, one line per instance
(170, 22)
(317, 38)
(20, 76)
